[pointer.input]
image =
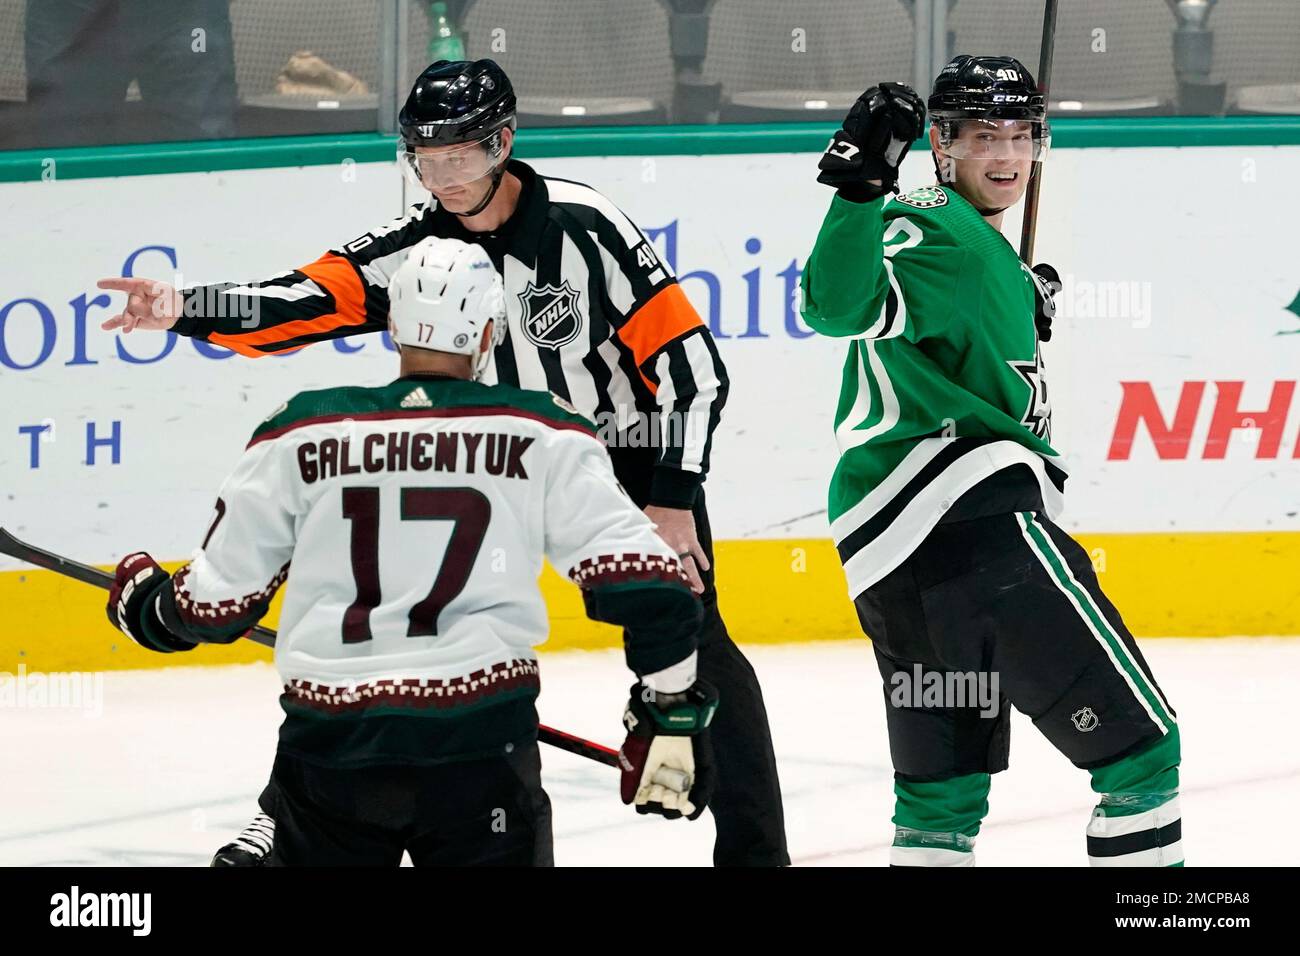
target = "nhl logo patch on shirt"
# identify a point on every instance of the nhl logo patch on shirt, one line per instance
(924, 197)
(551, 318)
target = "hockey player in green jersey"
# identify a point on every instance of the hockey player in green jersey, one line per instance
(941, 505)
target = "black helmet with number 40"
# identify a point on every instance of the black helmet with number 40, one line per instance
(459, 108)
(991, 89)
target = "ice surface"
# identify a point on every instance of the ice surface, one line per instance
(171, 768)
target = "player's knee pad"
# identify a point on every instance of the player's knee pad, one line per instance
(936, 821)
(1107, 718)
(1138, 821)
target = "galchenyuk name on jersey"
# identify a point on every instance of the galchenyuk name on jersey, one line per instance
(415, 516)
(406, 449)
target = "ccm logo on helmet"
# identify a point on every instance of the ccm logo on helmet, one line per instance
(1010, 98)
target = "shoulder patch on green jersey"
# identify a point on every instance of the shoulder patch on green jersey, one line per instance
(413, 395)
(564, 404)
(924, 197)
(945, 217)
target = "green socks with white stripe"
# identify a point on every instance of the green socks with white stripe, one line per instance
(1138, 821)
(935, 823)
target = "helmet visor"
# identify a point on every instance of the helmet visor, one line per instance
(994, 138)
(446, 167)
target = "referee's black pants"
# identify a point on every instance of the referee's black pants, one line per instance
(746, 806)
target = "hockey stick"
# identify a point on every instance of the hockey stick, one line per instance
(1029, 225)
(87, 574)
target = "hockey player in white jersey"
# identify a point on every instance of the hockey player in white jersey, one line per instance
(410, 522)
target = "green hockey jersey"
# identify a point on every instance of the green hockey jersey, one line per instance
(943, 383)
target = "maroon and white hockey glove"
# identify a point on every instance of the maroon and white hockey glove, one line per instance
(133, 600)
(667, 760)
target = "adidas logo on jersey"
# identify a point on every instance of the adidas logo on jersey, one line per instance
(417, 399)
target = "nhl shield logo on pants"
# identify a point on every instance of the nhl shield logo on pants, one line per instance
(1084, 719)
(551, 318)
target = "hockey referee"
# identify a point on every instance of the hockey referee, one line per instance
(594, 316)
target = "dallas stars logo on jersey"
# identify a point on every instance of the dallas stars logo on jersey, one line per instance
(1037, 416)
(924, 197)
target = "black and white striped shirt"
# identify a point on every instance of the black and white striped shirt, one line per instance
(594, 315)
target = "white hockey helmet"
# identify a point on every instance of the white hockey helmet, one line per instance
(442, 297)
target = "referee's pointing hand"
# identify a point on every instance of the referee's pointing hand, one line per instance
(150, 304)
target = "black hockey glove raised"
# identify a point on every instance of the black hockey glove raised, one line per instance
(1047, 282)
(667, 760)
(877, 133)
(131, 604)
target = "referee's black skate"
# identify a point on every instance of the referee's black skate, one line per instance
(251, 847)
